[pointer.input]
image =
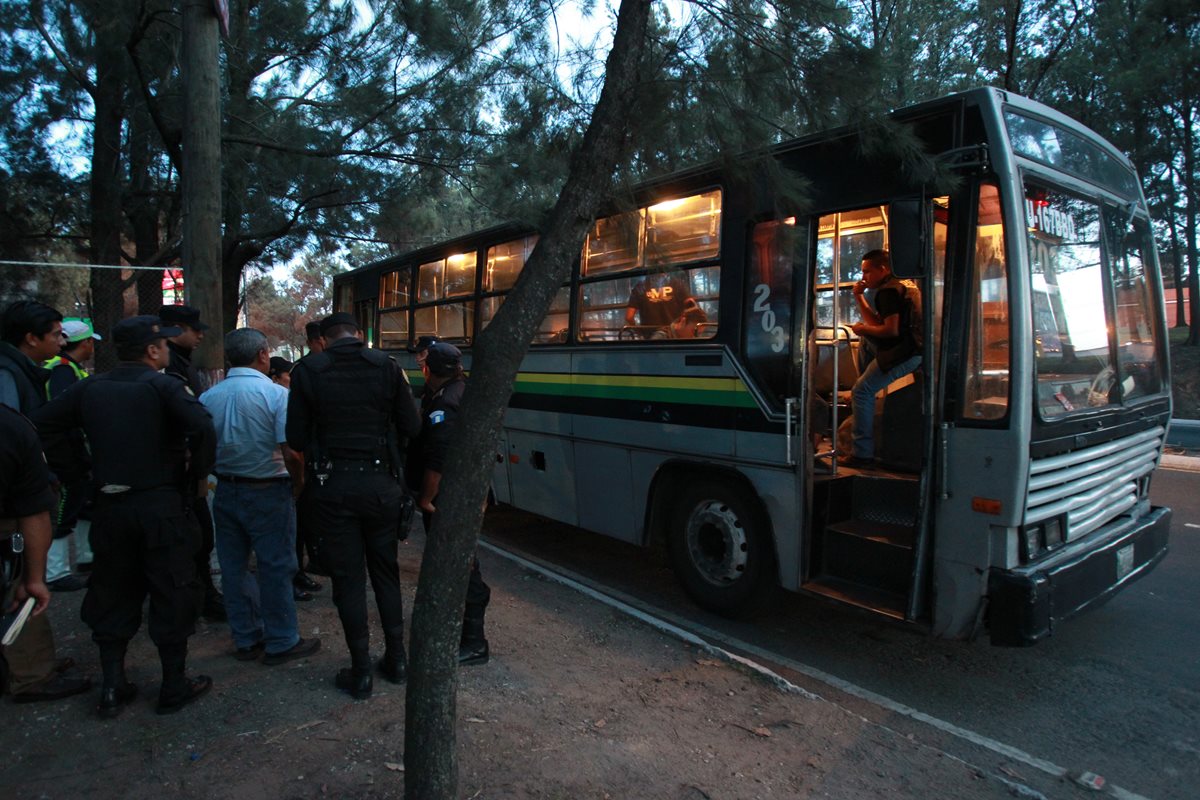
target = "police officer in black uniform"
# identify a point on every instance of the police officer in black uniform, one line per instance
(191, 332)
(153, 446)
(350, 411)
(441, 397)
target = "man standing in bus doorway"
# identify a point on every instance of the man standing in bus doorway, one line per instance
(66, 369)
(350, 411)
(191, 333)
(890, 326)
(440, 400)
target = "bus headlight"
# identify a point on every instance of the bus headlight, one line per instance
(1031, 541)
(1053, 532)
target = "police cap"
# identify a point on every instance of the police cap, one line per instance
(279, 366)
(423, 343)
(336, 319)
(443, 358)
(182, 315)
(141, 330)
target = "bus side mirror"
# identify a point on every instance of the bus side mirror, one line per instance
(907, 241)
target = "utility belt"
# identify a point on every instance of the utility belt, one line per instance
(326, 467)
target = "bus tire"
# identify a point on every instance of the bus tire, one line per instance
(719, 547)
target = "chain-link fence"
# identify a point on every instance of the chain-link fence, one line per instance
(100, 295)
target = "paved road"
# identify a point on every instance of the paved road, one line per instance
(1115, 692)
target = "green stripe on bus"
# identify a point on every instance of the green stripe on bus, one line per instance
(696, 391)
(699, 391)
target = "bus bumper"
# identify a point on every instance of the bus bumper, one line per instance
(1025, 604)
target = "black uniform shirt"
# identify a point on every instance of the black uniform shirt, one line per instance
(181, 367)
(24, 477)
(345, 398)
(439, 412)
(144, 428)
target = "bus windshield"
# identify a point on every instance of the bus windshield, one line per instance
(1093, 307)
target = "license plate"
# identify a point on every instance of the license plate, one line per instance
(1124, 561)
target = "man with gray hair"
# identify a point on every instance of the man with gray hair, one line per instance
(257, 478)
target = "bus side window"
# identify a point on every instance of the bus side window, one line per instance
(988, 345)
(453, 276)
(675, 305)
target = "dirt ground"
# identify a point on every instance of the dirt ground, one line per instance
(578, 701)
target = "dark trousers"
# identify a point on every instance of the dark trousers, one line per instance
(203, 561)
(357, 514)
(478, 592)
(145, 543)
(306, 523)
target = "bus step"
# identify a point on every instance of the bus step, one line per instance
(887, 603)
(883, 499)
(869, 553)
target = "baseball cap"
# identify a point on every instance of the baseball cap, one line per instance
(423, 343)
(76, 330)
(336, 319)
(279, 365)
(443, 358)
(182, 315)
(140, 330)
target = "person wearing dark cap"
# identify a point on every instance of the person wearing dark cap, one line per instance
(306, 524)
(66, 369)
(350, 410)
(30, 333)
(280, 371)
(186, 320)
(153, 446)
(440, 401)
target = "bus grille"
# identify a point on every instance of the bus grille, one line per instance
(1094, 485)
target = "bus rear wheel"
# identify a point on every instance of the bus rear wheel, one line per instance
(719, 547)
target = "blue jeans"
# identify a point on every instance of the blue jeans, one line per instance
(868, 385)
(262, 518)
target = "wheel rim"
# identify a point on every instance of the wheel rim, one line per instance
(717, 542)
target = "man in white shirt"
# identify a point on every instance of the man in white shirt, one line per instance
(257, 478)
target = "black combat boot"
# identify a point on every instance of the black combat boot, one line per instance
(393, 665)
(178, 690)
(116, 692)
(356, 681)
(473, 648)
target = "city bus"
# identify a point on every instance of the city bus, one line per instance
(689, 386)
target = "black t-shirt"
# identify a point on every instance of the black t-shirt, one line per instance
(658, 302)
(891, 350)
(24, 476)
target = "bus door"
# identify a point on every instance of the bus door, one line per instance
(866, 521)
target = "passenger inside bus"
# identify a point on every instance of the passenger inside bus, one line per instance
(662, 307)
(891, 323)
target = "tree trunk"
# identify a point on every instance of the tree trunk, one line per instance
(109, 94)
(202, 177)
(1190, 191)
(143, 212)
(430, 753)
